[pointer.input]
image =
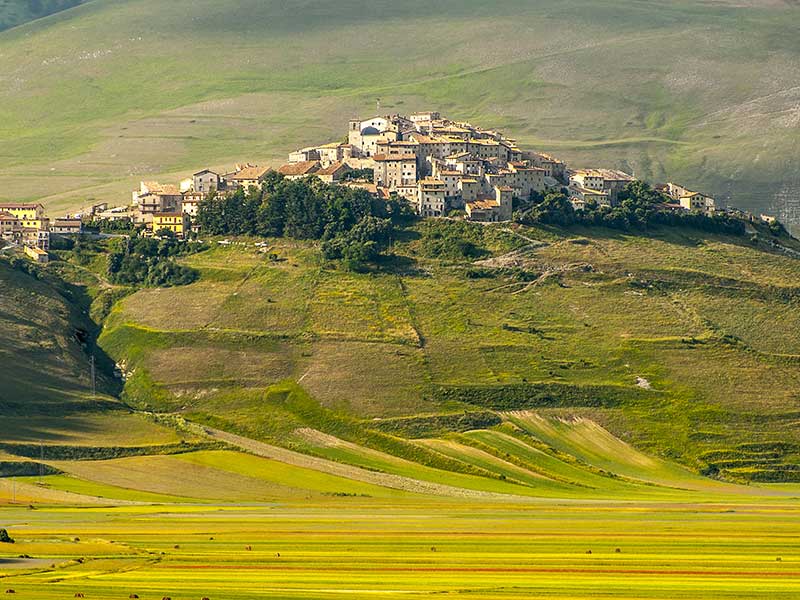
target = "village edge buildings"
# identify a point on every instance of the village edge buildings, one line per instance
(436, 164)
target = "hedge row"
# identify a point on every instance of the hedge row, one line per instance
(783, 474)
(102, 452)
(540, 395)
(25, 469)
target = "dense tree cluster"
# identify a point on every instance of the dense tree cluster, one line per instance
(640, 207)
(453, 240)
(150, 261)
(352, 225)
(109, 226)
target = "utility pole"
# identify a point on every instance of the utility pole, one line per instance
(41, 463)
(94, 382)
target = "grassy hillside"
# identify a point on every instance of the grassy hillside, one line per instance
(700, 92)
(45, 341)
(670, 340)
(45, 378)
(441, 424)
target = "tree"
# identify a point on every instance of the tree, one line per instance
(555, 209)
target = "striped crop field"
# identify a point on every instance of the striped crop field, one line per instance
(355, 548)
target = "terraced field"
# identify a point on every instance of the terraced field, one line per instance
(673, 372)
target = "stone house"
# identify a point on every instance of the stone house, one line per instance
(492, 209)
(250, 176)
(431, 198)
(300, 169)
(333, 173)
(206, 180)
(66, 226)
(395, 170)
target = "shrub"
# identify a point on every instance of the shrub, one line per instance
(147, 261)
(539, 395)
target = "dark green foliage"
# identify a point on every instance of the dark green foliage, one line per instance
(554, 209)
(776, 228)
(353, 226)
(453, 240)
(25, 469)
(53, 452)
(149, 261)
(83, 249)
(118, 226)
(539, 395)
(522, 205)
(5, 538)
(362, 244)
(436, 425)
(639, 208)
(359, 174)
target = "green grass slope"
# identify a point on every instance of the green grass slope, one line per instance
(700, 92)
(44, 359)
(670, 341)
(47, 407)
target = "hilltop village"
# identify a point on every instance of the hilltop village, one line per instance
(439, 166)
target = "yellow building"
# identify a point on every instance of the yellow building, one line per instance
(177, 223)
(37, 255)
(30, 216)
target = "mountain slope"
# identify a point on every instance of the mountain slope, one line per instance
(564, 363)
(669, 340)
(701, 92)
(42, 355)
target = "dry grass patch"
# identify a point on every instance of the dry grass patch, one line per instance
(367, 379)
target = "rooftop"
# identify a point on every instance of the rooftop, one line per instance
(483, 204)
(250, 173)
(332, 168)
(394, 157)
(307, 167)
(19, 205)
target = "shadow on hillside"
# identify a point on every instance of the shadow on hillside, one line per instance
(397, 264)
(48, 429)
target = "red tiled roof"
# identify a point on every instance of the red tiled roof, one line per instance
(300, 168)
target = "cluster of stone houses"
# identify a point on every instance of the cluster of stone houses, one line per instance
(25, 225)
(439, 165)
(435, 163)
(174, 208)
